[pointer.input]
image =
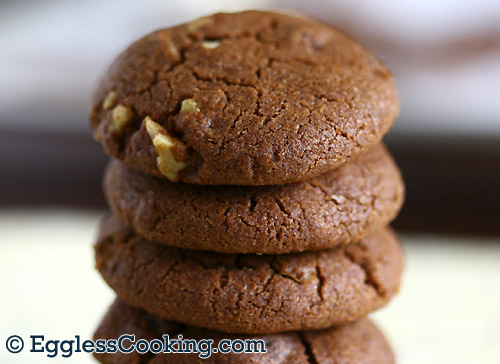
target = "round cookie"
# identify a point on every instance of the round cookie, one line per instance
(250, 98)
(250, 293)
(356, 343)
(335, 208)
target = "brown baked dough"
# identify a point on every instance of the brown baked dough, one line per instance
(250, 293)
(357, 343)
(338, 207)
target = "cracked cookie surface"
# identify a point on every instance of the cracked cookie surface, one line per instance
(250, 293)
(338, 207)
(356, 343)
(256, 98)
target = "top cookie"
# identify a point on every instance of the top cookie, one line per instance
(250, 98)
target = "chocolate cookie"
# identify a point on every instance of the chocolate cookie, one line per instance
(338, 207)
(250, 293)
(356, 343)
(251, 98)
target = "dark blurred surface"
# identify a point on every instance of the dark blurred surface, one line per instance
(50, 169)
(453, 185)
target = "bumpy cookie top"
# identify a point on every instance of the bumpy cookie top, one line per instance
(249, 293)
(250, 98)
(338, 207)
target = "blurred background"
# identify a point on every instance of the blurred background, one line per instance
(445, 55)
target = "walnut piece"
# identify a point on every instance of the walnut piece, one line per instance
(189, 105)
(338, 199)
(166, 147)
(97, 135)
(120, 117)
(197, 24)
(109, 100)
(172, 48)
(210, 44)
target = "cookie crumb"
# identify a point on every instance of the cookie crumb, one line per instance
(109, 100)
(189, 105)
(120, 117)
(165, 146)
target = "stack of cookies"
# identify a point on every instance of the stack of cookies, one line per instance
(250, 193)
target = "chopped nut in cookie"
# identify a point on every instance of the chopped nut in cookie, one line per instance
(189, 105)
(338, 199)
(166, 147)
(197, 24)
(210, 44)
(172, 48)
(109, 100)
(120, 117)
(97, 135)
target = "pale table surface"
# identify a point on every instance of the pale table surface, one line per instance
(448, 310)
